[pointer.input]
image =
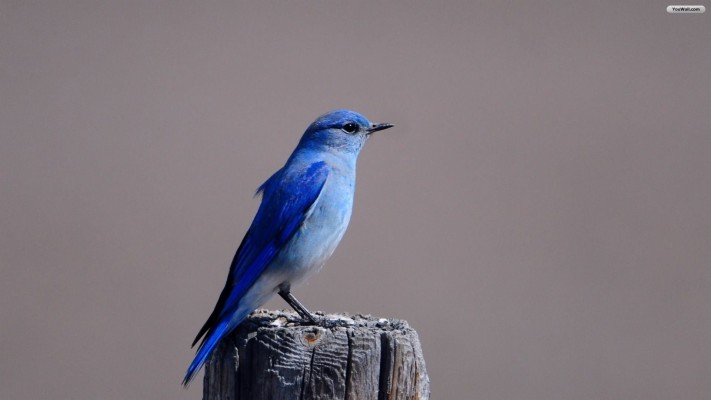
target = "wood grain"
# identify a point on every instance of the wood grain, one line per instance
(272, 355)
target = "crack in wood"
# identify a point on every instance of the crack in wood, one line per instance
(349, 364)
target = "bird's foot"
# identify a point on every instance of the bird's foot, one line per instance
(304, 313)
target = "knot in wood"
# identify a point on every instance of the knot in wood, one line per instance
(313, 337)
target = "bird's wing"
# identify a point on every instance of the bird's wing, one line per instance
(287, 198)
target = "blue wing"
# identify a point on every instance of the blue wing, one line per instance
(287, 198)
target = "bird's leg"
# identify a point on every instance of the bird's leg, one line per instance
(297, 306)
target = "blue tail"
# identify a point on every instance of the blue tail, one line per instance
(205, 349)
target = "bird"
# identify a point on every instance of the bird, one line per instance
(304, 212)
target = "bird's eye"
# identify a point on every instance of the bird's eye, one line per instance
(350, 128)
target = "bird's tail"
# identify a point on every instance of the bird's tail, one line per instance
(206, 347)
(212, 339)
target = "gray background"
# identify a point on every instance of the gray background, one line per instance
(540, 214)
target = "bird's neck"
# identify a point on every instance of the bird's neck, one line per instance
(338, 159)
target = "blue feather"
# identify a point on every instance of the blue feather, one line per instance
(286, 201)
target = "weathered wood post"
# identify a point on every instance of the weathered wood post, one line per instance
(273, 356)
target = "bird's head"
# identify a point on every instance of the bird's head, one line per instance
(340, 130)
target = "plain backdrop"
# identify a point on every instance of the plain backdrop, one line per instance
(540, 214)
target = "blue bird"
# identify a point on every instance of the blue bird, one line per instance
(305, 210)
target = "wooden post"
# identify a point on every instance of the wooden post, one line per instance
(273, 356)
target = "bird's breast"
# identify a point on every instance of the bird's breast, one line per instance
(317, 238)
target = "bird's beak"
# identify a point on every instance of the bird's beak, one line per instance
(379, 127)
